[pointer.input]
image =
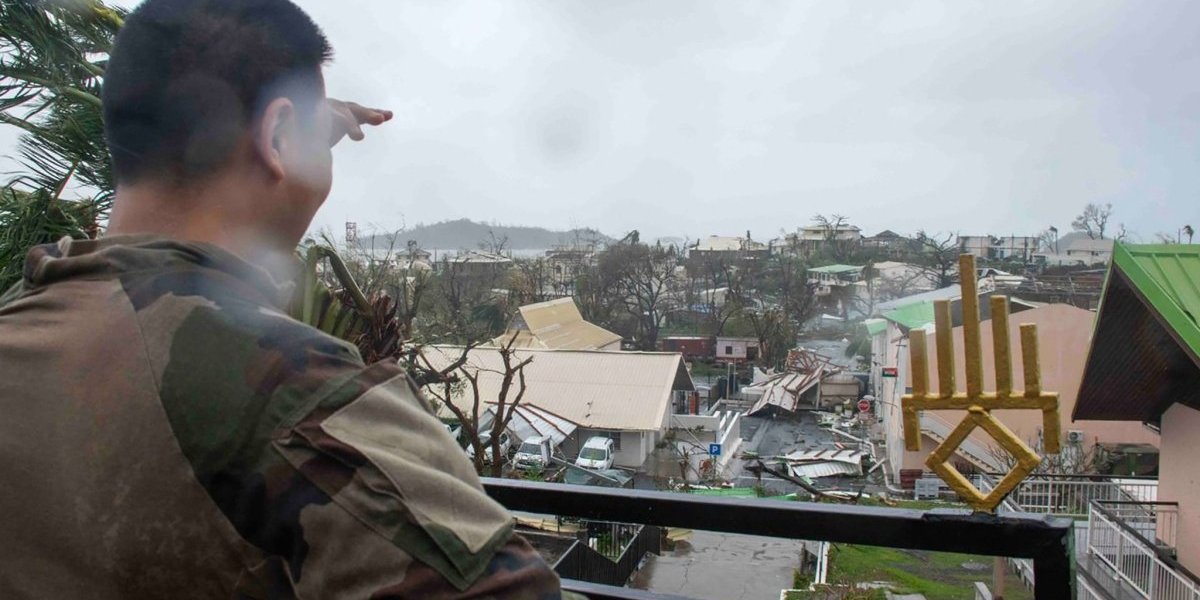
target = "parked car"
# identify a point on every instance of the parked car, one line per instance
(485, 440)
(597, 453)
(534, 453)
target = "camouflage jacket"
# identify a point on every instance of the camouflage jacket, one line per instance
(168, 432)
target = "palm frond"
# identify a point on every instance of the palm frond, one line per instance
(31, 218)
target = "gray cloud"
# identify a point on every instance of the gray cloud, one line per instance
(692, 118)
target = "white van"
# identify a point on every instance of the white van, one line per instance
(597, 453)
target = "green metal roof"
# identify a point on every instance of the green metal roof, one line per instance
(1168, 275)
(1145, 351)
(835, 269)
(875, 326)
(911, 316)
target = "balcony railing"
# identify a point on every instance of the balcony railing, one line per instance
(1128, 553)
(1042, 538)
(1072, 495)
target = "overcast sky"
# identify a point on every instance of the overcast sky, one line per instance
(686, 118)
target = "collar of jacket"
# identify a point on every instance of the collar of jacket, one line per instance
(112, 256)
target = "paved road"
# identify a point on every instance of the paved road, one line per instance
(721, 566)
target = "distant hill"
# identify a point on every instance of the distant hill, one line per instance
(469, 235)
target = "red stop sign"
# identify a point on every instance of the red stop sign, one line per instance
(864, 406)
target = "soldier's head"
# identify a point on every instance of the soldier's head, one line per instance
(223, 95)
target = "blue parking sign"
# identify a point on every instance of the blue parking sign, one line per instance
(714, 449)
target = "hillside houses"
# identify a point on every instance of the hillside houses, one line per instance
(730, 249)
(1010, 248)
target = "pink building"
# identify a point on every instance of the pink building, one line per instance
(1063, 334)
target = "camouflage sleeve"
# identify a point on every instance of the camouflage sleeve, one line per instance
(338, 472)
(386, 463)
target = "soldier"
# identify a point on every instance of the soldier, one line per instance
(167, 431)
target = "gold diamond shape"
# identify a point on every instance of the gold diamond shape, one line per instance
(1027, 460)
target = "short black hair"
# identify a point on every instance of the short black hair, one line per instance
(187, 77)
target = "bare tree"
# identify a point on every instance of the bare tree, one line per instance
(831, 229)
(830, 225)
(644, 278)
(531, 281)
(462, 378)
(1093, 220)
(936, 256)
(494, 244)
(1048, 240)
(775, 300)
(1072, 459)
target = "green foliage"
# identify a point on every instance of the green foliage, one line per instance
(344, 315)
(31, 218)
(52, 57)
(800, 581)
(937, 575)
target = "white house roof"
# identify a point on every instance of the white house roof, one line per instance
(720, 243)
(557, 324)
(1087, 244)
(629, 391)
(472, 256)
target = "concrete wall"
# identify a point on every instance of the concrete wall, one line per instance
(1179, 478)
(1064, 334)
(635, 446)
(891, 350)
(731, 349)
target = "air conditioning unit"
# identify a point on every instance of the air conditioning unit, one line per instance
(1075, 436)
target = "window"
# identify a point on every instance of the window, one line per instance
(728, 350)
(616, 438)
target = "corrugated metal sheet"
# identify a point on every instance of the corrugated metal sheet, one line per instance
(825, 469)
(826, 463)
(1168, 276)
(875, 326)
(531, 421)
(628, 391)
(557, 325)
(783, 390)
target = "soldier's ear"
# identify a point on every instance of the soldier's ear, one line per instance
(275, 136)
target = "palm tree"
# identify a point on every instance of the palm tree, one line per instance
(52, 57)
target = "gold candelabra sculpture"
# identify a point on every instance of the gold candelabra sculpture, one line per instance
(978, 403)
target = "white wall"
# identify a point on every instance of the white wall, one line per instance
(891, 389)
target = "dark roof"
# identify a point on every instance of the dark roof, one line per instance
(886, 234)
(1145, 352)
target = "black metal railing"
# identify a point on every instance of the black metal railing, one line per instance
(583, 562)
(1042, 538)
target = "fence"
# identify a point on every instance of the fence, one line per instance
(612, 555)
(1042, 538)
(1071, 495)
(1128, 564)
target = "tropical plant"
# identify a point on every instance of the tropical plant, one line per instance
(52, 58)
